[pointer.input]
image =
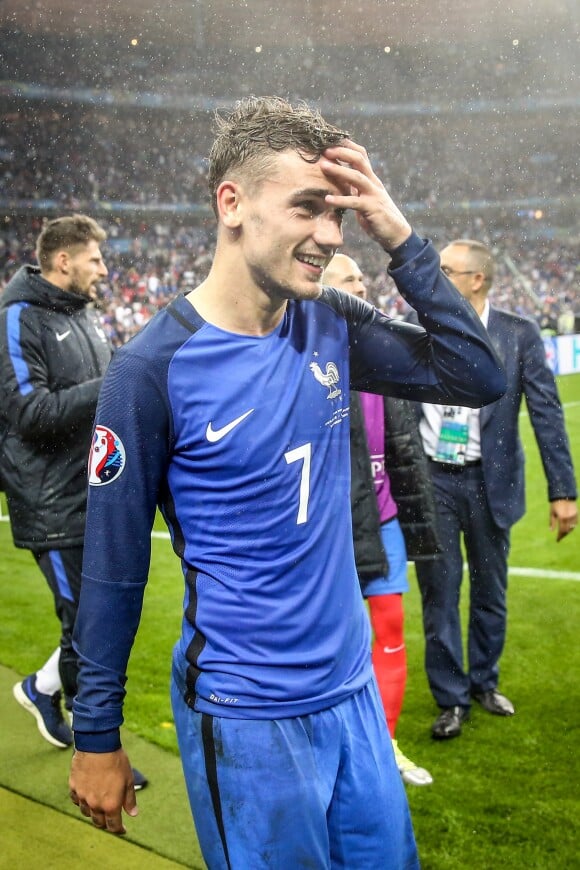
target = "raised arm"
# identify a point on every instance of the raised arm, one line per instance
(450, 359)
(447, 359)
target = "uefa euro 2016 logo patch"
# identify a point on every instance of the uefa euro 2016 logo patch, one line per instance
(107, 459)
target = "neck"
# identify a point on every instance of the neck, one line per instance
(478, 303)
(230, 300)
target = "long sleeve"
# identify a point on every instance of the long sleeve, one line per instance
(546, 416)
(130, 447)
(448, 358)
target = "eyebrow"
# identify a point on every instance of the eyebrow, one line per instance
(318, 192)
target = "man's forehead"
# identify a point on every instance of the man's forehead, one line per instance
(90, 248)
(290, 169)
(454, 250)
(454, 254)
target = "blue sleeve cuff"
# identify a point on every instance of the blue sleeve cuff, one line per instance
(410, 248)
(102, 741)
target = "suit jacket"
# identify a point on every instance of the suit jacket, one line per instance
(518, 342)
(519, 345)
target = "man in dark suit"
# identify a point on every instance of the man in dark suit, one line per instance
(477, 468)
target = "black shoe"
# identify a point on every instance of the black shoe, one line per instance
(139, 779)
(494, 702)
(448, 723)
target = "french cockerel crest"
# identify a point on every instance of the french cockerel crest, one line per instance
(328, 378)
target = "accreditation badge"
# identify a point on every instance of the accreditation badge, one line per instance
(452, 443)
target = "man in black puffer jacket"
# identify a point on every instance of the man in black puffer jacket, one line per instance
(53, 355)
(393, 518)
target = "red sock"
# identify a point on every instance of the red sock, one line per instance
(389, 654)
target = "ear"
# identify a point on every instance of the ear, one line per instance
(61, 262)
(228, 197)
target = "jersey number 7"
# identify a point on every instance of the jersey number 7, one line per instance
(304, 453)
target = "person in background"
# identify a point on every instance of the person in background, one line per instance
(381, 426)
(41, 695)
(566, 320)
(477, 468)
(229, 411)
(547, 321)
(53, 355)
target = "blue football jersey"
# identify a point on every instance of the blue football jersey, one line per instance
(247, 454)
(243, 443)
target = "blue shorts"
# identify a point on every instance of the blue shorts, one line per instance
(396, 580)
(316, 791)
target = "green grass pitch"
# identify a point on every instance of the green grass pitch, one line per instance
(506, 793)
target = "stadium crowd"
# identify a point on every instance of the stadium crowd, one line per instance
(140, 156)
(131, 122)
(444, 129)
(150, 263)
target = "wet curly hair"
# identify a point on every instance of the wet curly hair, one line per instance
(248, 137)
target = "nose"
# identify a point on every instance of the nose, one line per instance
(103, 271)
(328, 231)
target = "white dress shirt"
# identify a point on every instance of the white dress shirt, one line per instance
(430, 425)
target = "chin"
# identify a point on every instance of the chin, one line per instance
(305, 293)
(308, 289)
(298, 292)
(313, 292)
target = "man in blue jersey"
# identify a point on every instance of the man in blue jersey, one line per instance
(230, 411)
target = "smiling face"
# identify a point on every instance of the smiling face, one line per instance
(286, 232)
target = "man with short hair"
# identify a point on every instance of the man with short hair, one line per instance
(229, 411)
(53, 355)
(477, 469)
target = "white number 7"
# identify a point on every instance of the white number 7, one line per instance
(303, 453)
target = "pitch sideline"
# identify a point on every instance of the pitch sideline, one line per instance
(514, 572)
(535, 573)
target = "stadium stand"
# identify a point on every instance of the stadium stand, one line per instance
(471, 143)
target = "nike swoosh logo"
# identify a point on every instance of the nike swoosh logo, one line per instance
(214, 435)
(60, 336)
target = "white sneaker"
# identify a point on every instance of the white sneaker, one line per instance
(410, 773)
